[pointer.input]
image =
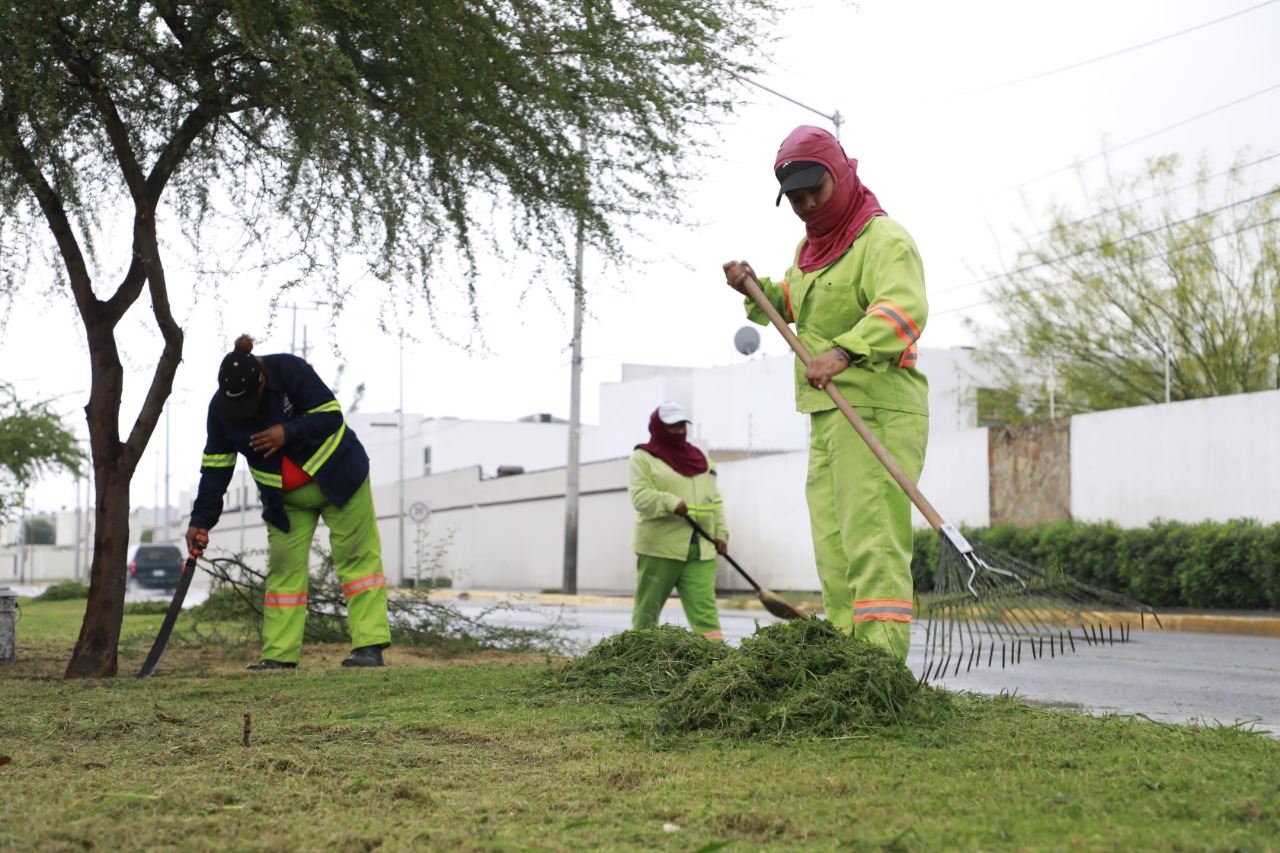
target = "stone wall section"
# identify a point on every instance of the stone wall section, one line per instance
(1030, 472)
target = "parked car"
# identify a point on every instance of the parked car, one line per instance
(156, 566)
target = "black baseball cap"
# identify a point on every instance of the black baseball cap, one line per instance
(239, 385)
(798, 175)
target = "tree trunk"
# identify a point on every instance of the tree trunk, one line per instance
(95, 654)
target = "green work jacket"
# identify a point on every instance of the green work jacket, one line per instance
(871, 301)
(656, 490)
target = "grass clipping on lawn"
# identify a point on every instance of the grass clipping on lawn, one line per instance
(788, 680)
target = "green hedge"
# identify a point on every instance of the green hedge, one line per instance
(1233, 565)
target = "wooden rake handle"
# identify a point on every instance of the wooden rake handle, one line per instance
(860, 426)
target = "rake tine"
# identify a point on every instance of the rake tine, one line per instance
(1073, 642)
(991, 654)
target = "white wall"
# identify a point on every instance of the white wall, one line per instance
(749, 406)
(531, 445)
(382, 443)
(625, 408)
(1198, 460)
(956, 477)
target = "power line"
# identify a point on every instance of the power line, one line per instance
(1144, 200)
(1115, 53)
(1147, 233)
(1029, 291)
(1142, 138)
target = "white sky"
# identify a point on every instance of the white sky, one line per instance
(955, 156)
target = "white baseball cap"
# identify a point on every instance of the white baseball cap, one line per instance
(672, 413)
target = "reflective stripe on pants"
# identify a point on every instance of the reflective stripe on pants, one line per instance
(861, 522)
(357, 557)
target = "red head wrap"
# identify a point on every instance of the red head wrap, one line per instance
(832, 227)
(673, 448)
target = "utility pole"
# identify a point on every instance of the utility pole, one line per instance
(571, 486)
(293, 338)
(401, 477)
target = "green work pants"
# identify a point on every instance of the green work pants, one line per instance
(692, 578)
(357, 557)
(861, 522)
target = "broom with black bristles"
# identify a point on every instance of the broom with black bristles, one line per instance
(986, 604)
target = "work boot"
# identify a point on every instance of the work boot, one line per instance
(364, 656)
(266, 663)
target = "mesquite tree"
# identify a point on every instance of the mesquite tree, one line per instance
(1163, 278)
(316, 131)
(34, 440)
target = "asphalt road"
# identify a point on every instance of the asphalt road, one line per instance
(1169, 676)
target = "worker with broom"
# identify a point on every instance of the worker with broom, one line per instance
(855, 294)
(670, 480)
(277, 413)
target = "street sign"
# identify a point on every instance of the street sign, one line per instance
(419, 511)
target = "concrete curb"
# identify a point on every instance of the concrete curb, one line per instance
(1262, 625)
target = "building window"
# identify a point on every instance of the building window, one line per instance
(426, 461)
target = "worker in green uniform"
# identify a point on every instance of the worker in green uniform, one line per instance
(670, 480)
(276, 412)
(855, 294)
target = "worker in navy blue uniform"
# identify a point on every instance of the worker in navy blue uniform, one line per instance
(276, 412)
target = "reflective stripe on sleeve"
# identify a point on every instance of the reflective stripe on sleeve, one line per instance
(321, 456)
(786, 291)
(331, 406)
(882, 610)
(266, 478)
(218, 460)
(903, 326)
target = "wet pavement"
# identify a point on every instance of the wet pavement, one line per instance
(1167, 675)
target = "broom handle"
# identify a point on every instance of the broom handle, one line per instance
(882, 453)
(707, 536)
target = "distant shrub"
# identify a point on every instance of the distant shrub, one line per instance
(64, 591)
(1228, 565)
(146, 608)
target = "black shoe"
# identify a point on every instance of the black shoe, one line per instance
(271, 664)
(364, 656)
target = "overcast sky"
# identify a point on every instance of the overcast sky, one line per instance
(967, 119)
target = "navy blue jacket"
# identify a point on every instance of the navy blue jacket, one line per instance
(316, 439)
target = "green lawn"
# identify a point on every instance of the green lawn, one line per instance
(479, 753)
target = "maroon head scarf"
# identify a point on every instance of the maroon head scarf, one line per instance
(833, 227)
(673, 448)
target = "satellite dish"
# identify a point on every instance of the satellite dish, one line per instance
(747, 340)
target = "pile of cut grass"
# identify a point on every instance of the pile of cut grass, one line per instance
(802, 679)
(638, 664)
(788, 680)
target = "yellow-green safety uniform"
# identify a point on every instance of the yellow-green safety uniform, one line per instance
(669, 553)
(871, 301)
(318, 442)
